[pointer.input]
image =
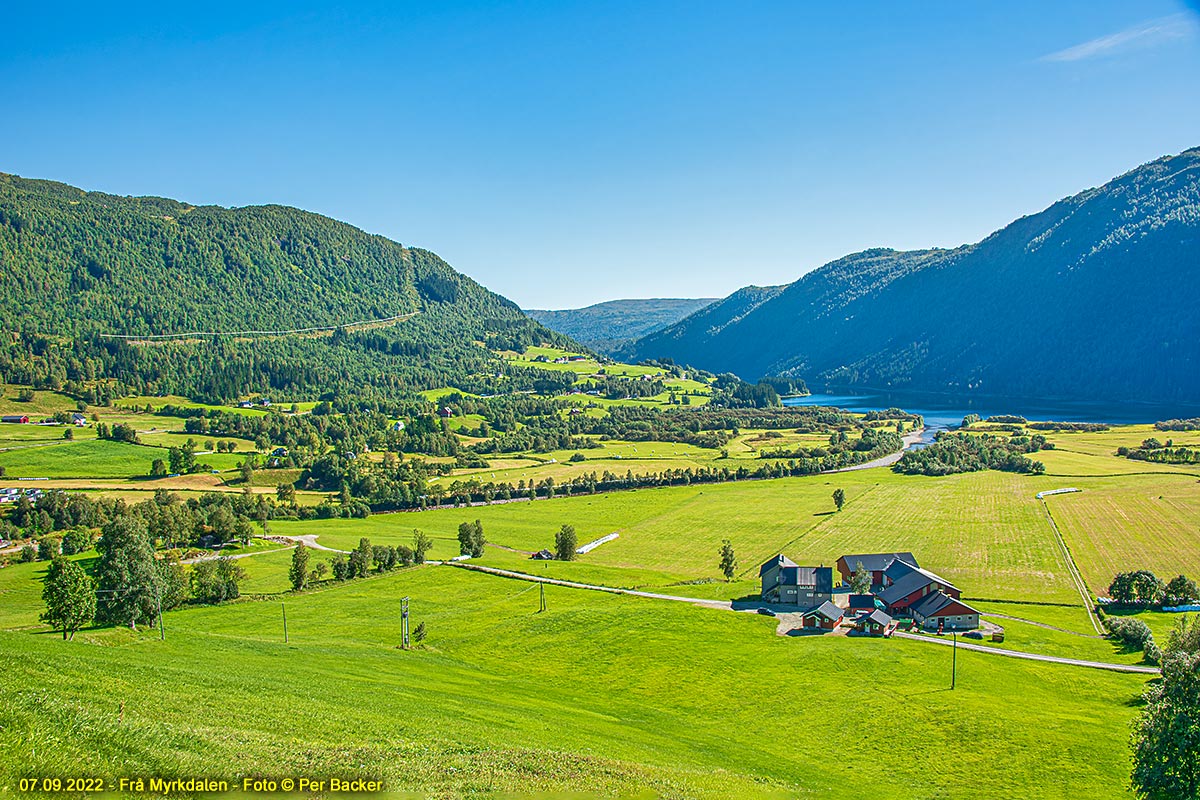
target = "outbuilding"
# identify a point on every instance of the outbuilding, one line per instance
(825, 616)
(874, 624)
(939, 611)
(20, 419)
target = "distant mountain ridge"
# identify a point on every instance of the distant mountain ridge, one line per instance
(1095, 297)
(77, 265)
(611, 326)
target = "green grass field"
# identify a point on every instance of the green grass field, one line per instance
(606, 694)
(984, 531)
(1136, 522)
(619, 695)
(95, 459)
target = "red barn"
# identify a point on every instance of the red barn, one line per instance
(875, 563)
(907, 585)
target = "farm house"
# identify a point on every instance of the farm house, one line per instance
(783, 581)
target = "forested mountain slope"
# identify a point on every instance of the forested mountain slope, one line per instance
(608, 326)
(1095, 297)
(79, 265)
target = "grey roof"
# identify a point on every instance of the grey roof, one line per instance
(878, 617)
(877, 561)
(780, 561)
(827, 610)
(931, 604)
(820, 578)
(908, 579)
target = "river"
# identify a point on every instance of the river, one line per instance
(943, 412)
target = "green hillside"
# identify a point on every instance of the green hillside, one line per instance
(79, 266)
(1092, 298)
(608, 327)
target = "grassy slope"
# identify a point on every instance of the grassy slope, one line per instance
(601, 692)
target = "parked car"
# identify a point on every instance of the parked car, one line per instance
(766, 612)
(973, 635)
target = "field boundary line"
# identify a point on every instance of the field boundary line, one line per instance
(1072, 569)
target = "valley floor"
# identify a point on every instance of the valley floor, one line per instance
(616, 695)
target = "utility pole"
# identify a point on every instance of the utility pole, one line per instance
(954, 659)
(285, 636)
(542, 589)
(404, 623)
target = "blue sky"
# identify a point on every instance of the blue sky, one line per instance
(565, 153)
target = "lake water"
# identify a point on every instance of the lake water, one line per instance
(942, 412)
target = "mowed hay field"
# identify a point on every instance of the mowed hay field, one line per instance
(604, 694)
(985, 531)
(1135, 522)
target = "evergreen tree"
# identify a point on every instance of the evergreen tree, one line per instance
(839, 498)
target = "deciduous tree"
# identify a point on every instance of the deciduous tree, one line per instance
(70, 597)
(728, 560)
(565, 543)
(298, 574)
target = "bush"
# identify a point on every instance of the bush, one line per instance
(1152, 652)
(1129, 630)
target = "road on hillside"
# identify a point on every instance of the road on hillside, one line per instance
(724, 605)
(215, 556)
(524, 576)
(310, 540)
(979, 648)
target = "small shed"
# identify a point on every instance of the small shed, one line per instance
(543, 555)
(825, 616)
(874, 624)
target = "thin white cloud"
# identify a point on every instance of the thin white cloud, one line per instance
(1145, 35)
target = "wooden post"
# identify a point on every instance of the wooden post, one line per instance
(954, 660)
